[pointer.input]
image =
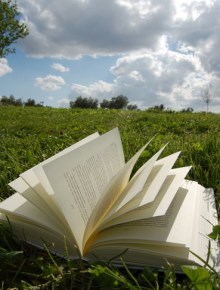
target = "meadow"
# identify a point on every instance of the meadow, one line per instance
(29, 135)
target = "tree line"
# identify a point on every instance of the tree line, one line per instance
(119, 102)
(11, 101)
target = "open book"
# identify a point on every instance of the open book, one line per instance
(84, 197)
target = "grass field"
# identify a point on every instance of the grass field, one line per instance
(30, 135)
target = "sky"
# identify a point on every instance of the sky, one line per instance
(151, 51)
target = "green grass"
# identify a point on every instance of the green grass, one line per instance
(30, 135)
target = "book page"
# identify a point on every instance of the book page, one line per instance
(154, 183)
(76, 180)
(33, 196)
(136, 184)
(28, 185)
(144, 187)
(111, 195)
(208, 221)
(146, 191)
(171, 228)
(24, 189)
(31, 182)
(206, 218)
(38, 195)
(20, 208)
(39, 235)
(134, 211)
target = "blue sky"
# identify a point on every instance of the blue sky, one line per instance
(154, 52)
(22, 80)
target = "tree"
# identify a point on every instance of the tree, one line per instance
(188, 110)
(207, 95)
(132, 107)
(11, 29)
(105, 104)
(119, 102)
(85, 103)
(157, 108)
(10, 101)
(30, 103)
(4, 101)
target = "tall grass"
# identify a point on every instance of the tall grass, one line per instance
(30, 135)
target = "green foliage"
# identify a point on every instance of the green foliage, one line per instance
(119, 102)
(10, 101)
(132, 107)
(28, 135)
(105, 104)
(11, 29)
(84, 103)
(200, 278)
(188, 110)
(157, 108)
(215, 234)
(30, 103)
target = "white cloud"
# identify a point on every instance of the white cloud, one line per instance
(72, 28)
(4, 67)
(98, 90)
(50, 83)
(201, 32)
(166, 49)
(59, 67)
(191, 9)
(153, 78)
(64, 103)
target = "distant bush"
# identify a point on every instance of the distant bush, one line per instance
(10, 101)
(88, 103)
(188, 110)
(132, 107)
(119, 102)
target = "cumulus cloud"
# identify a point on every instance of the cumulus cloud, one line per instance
(72, 28)
(199, 30)
(166, 49)
(100, 27)
(59, 67)
(170, 78)
(64, 103)
(4, 67)
(50, 83)
(99, 89)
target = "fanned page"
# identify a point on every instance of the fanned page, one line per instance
(171, 229)
(144, 187)
(111, 195)
(30, 187)
(76, 180)
(30, 224)
(133, 188)
(135, 211)
(19, 206)
(32, 196)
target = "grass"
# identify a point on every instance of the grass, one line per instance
(30, 135)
